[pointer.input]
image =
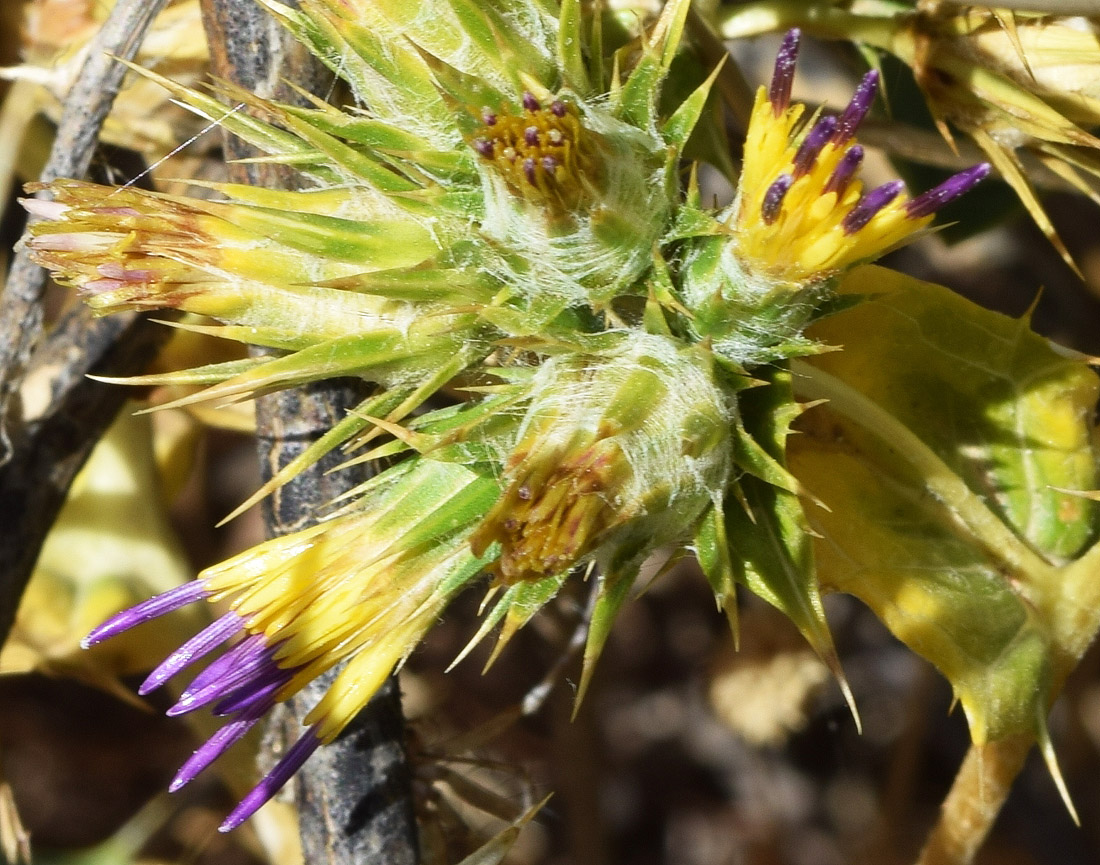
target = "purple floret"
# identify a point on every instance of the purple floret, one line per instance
(249, 661)
(163, 603)
(200, 645)
(857, 109)
(530, 102)
(845, 170)
(870, 204)
(215, 746)
(291, 762)
(773, 198)
(932, 200)
(811, 145)
(783, 76)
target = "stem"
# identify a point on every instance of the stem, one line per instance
(980, 789)
(821, 19)
(355, 795)
(1049, 7)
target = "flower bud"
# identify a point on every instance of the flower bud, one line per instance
(619, 453)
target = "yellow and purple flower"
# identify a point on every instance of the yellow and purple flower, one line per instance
(801, 217)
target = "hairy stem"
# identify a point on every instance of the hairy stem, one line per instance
(976, 797)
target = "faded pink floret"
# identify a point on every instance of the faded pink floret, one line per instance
(51, 210)
(112, 270)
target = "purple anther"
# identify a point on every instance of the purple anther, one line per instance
(857, 109)
(929, 202)
(531, 136)
(488, 116)
(549, 164)
(530, 102)
(845, 170)
(811, 145)
(529, 170)
(871, 204)
(204, 642)
(557, 108)
(265, 682)
(163, 603)
(215, 746)
(253, 694)
(773, 198)
(484, 147)
(248, 648)
(291, 762)
(783, 76)
(254, 666)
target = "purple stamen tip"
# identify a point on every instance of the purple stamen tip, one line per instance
(488, 116)
(773, 198)
(929, 202)
(871, 204)
(783, 76)
(557, 108)
(549, 164)
(530, 102)
(811, 145)
(529, 170)
(214, 747)
(251, 669)
(484, 147)
(199, 645)
(252, 694)
(291, 762)
(163, 603)
(845, 170)
(857, 109)
(531, 135)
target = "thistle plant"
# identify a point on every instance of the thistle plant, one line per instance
(504, 213)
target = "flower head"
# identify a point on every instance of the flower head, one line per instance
(802, 212)
(618, 453)
(801, 217)
(363, 587)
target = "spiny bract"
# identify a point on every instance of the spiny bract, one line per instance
(499, 214)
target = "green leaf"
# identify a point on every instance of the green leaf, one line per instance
(678, 128)
(769, 547)
(636, 101)
(571, 47)
(612, 591)
(941, 454)
(712, 550)
(380, 243)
